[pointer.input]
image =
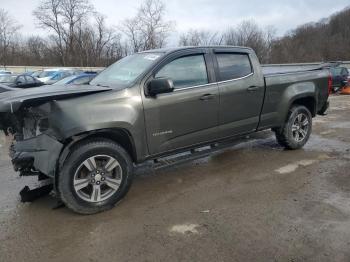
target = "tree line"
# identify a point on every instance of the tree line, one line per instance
(77, 35)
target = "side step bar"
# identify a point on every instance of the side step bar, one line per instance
(192, 154)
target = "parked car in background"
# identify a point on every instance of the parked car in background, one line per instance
(51, 76)
(20, 81)
(339, 78)
(5, 72)
(36, 73)
(82, 79)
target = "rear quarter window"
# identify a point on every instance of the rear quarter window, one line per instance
(233, 66)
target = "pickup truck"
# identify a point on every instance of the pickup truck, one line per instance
(148, 106)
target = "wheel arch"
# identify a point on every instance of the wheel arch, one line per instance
(117, 135)
(308, 101)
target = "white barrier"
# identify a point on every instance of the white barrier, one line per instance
(21, 69)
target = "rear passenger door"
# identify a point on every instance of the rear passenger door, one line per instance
(241, 91)
(30, 81)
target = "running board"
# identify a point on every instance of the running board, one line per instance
(192, 154)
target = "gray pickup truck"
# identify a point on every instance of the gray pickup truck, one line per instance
(150, 105)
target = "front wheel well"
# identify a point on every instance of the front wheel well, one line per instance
(119, 136)
(308, 102)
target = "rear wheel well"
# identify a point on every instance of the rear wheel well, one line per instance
(308, 102)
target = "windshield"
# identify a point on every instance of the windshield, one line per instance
(65, 80)
(126, 70)
(47, 74)
(7, 78)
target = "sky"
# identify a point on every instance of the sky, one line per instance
(214, 15)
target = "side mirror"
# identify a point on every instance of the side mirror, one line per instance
(160, 86)
(19, 83)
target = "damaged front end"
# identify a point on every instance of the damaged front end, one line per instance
(35, 149)
(25, 115)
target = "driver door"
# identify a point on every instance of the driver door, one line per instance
(188, 115)
(21, 82)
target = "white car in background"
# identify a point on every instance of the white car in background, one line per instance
(50, 76)
(5, 72)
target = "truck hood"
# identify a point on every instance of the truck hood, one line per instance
(11, 101)
(4, 88)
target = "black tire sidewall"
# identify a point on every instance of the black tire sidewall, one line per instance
(295, 111)
(78, 155)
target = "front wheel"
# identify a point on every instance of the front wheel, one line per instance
(95, 176)
(297, 129)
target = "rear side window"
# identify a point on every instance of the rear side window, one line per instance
(233, 66)
(345, 72)
(186, 71)
(82, 80)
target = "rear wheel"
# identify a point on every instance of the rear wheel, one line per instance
(297, 129)
(95, 176)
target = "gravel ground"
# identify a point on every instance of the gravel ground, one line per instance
(252, 202)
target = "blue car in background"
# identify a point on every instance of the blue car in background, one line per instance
(81, 79)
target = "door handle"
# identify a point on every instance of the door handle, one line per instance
(252, 88)
(207, 97)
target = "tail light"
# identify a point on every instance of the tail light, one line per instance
(330, 82)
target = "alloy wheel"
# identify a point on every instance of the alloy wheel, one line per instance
(98, 178)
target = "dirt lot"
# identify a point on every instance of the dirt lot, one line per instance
(251, 202)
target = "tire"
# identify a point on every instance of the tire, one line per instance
(324, 109)
(96, 175)
(296, 131)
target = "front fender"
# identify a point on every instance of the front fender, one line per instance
(116, 110)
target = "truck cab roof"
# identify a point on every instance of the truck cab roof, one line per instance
(175, 49)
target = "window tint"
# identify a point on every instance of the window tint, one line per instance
(186, 71)
(82, 80)
(345, 72)
(21, 79)
(232, 66)
(30, 80)
(336, 71)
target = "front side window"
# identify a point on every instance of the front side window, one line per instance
(81, 80)
(46, 74)
(21, 80)
(185, 71)
(233, 66)
(30, 80)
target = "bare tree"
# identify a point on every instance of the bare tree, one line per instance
(61, 17)
(200, 37)
(148, 29)
(248, 33)
(8, 31)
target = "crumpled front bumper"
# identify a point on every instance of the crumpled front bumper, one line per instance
(40, 153)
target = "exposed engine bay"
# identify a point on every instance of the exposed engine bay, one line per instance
(33, 150)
